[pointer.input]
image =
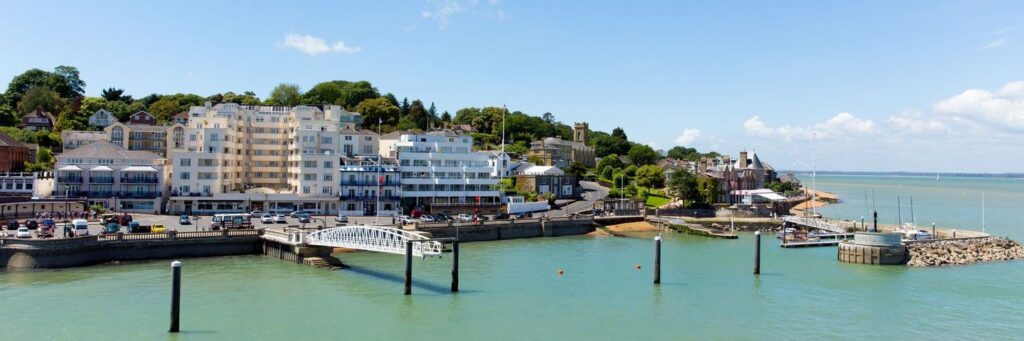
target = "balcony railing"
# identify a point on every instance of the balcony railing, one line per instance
(369, 197)
(101, 180)
(130, 180)
(393, 182)
(112, 194)
(70, 179)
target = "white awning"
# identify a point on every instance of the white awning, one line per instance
(771, 196)
(139, 169)
(101, 168)
(69, 168)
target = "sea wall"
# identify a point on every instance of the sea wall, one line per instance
(511, 229)
(28, 254)
(963, 251)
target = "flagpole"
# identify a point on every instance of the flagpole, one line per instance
(380, 182)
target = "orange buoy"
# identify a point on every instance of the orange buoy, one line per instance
(638, 267)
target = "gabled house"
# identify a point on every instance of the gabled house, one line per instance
(142, 118)
(102, 118)
(37, 120)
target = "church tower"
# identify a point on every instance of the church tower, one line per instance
(580, 132)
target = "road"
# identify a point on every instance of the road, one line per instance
(592, 192)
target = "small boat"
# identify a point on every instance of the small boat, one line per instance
(786, 231)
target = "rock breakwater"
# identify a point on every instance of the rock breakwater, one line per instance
(965, 251)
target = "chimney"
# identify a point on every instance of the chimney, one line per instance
(727, 160)
(743, 159)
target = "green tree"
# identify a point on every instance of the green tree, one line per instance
(576, 169)
(650, 176)
(446, 117)
(324, 92)
(41, 97)
(683, 185)
(631, 170)
(708, 190)
(605, 145)
(619, 133)
(114, 94)
(406, 124)
(285, 94)
(642, 154)
(164, 109)
(419, 115)
(377, 108)
(610, 160)
(354, 93)
(607, 172)
(404, 108)
(69, 84)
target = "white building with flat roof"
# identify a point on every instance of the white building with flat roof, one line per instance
(110, 175)
(441, 173)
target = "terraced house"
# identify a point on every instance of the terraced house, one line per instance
(112, 176)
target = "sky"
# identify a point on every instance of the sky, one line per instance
(929, 86)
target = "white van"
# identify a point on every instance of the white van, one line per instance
(80, 227)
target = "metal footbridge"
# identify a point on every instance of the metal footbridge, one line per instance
(376, 238)
(817, 223)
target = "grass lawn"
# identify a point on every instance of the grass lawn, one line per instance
(656, 200)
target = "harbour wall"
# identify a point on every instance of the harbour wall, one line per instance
(90, 250)
(511, 229)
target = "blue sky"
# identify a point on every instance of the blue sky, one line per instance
(861, 85)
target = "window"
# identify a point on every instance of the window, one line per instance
(184, 189)
(308, 164)
(328, 177)
(186, 175)
(327, 190)
(305, 190)
(309, 177)
(348, 138)
(325, 140)
(328, 164)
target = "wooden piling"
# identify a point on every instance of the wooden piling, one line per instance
(657, 259)
(408, 268)
(455, 266)
(175, 295)
(757, 252)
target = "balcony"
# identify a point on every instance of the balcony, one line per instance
(70, 179)
(114, 194)
(393, 182)
(369, 198)
(138, 180)
(101, 180)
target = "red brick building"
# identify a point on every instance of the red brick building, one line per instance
(142, 118)
(13, 154)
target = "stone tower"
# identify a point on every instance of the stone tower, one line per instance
(580, 132)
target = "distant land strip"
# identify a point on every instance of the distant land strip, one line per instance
(923, 174)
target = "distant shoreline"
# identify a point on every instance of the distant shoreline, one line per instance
(914, 174)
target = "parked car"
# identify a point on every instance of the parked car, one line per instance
(157, 228)
(135, 227)
(12, 224)
(80, 227)
(256, 214)
(482, 218)
(426, 218)
(341, 219)
(23, 232)
(280, 218)
(31, 224)
(501, 215)
(184, 220)
(406, 219)
(267, 218)
(45, 230)
(464, 217)
(303, 218)
(111, 228)
(295, 214)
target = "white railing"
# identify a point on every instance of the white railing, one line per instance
(817, 223)
(375, 238)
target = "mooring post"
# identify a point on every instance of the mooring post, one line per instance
(408, 268)
(757, 252)
(934, 236)
(175, 295)
(657, 259)
(455, 266)
(954, 233)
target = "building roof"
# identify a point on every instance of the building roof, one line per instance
(7, 140)
(109, 150)
(543, 170)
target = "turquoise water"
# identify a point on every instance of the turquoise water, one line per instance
(954, 202)
(511, 291)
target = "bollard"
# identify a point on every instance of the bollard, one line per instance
(455, 266)
(954, 233)
(175, 295)
(934, 236)
(408, 268)
(657, 259)
(757, 252)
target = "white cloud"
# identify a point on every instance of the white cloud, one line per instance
(915, 123)
(442, 11)
(995, 43)
(1000, 109)
(688, 137)
(312, 46)
(840, 126)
